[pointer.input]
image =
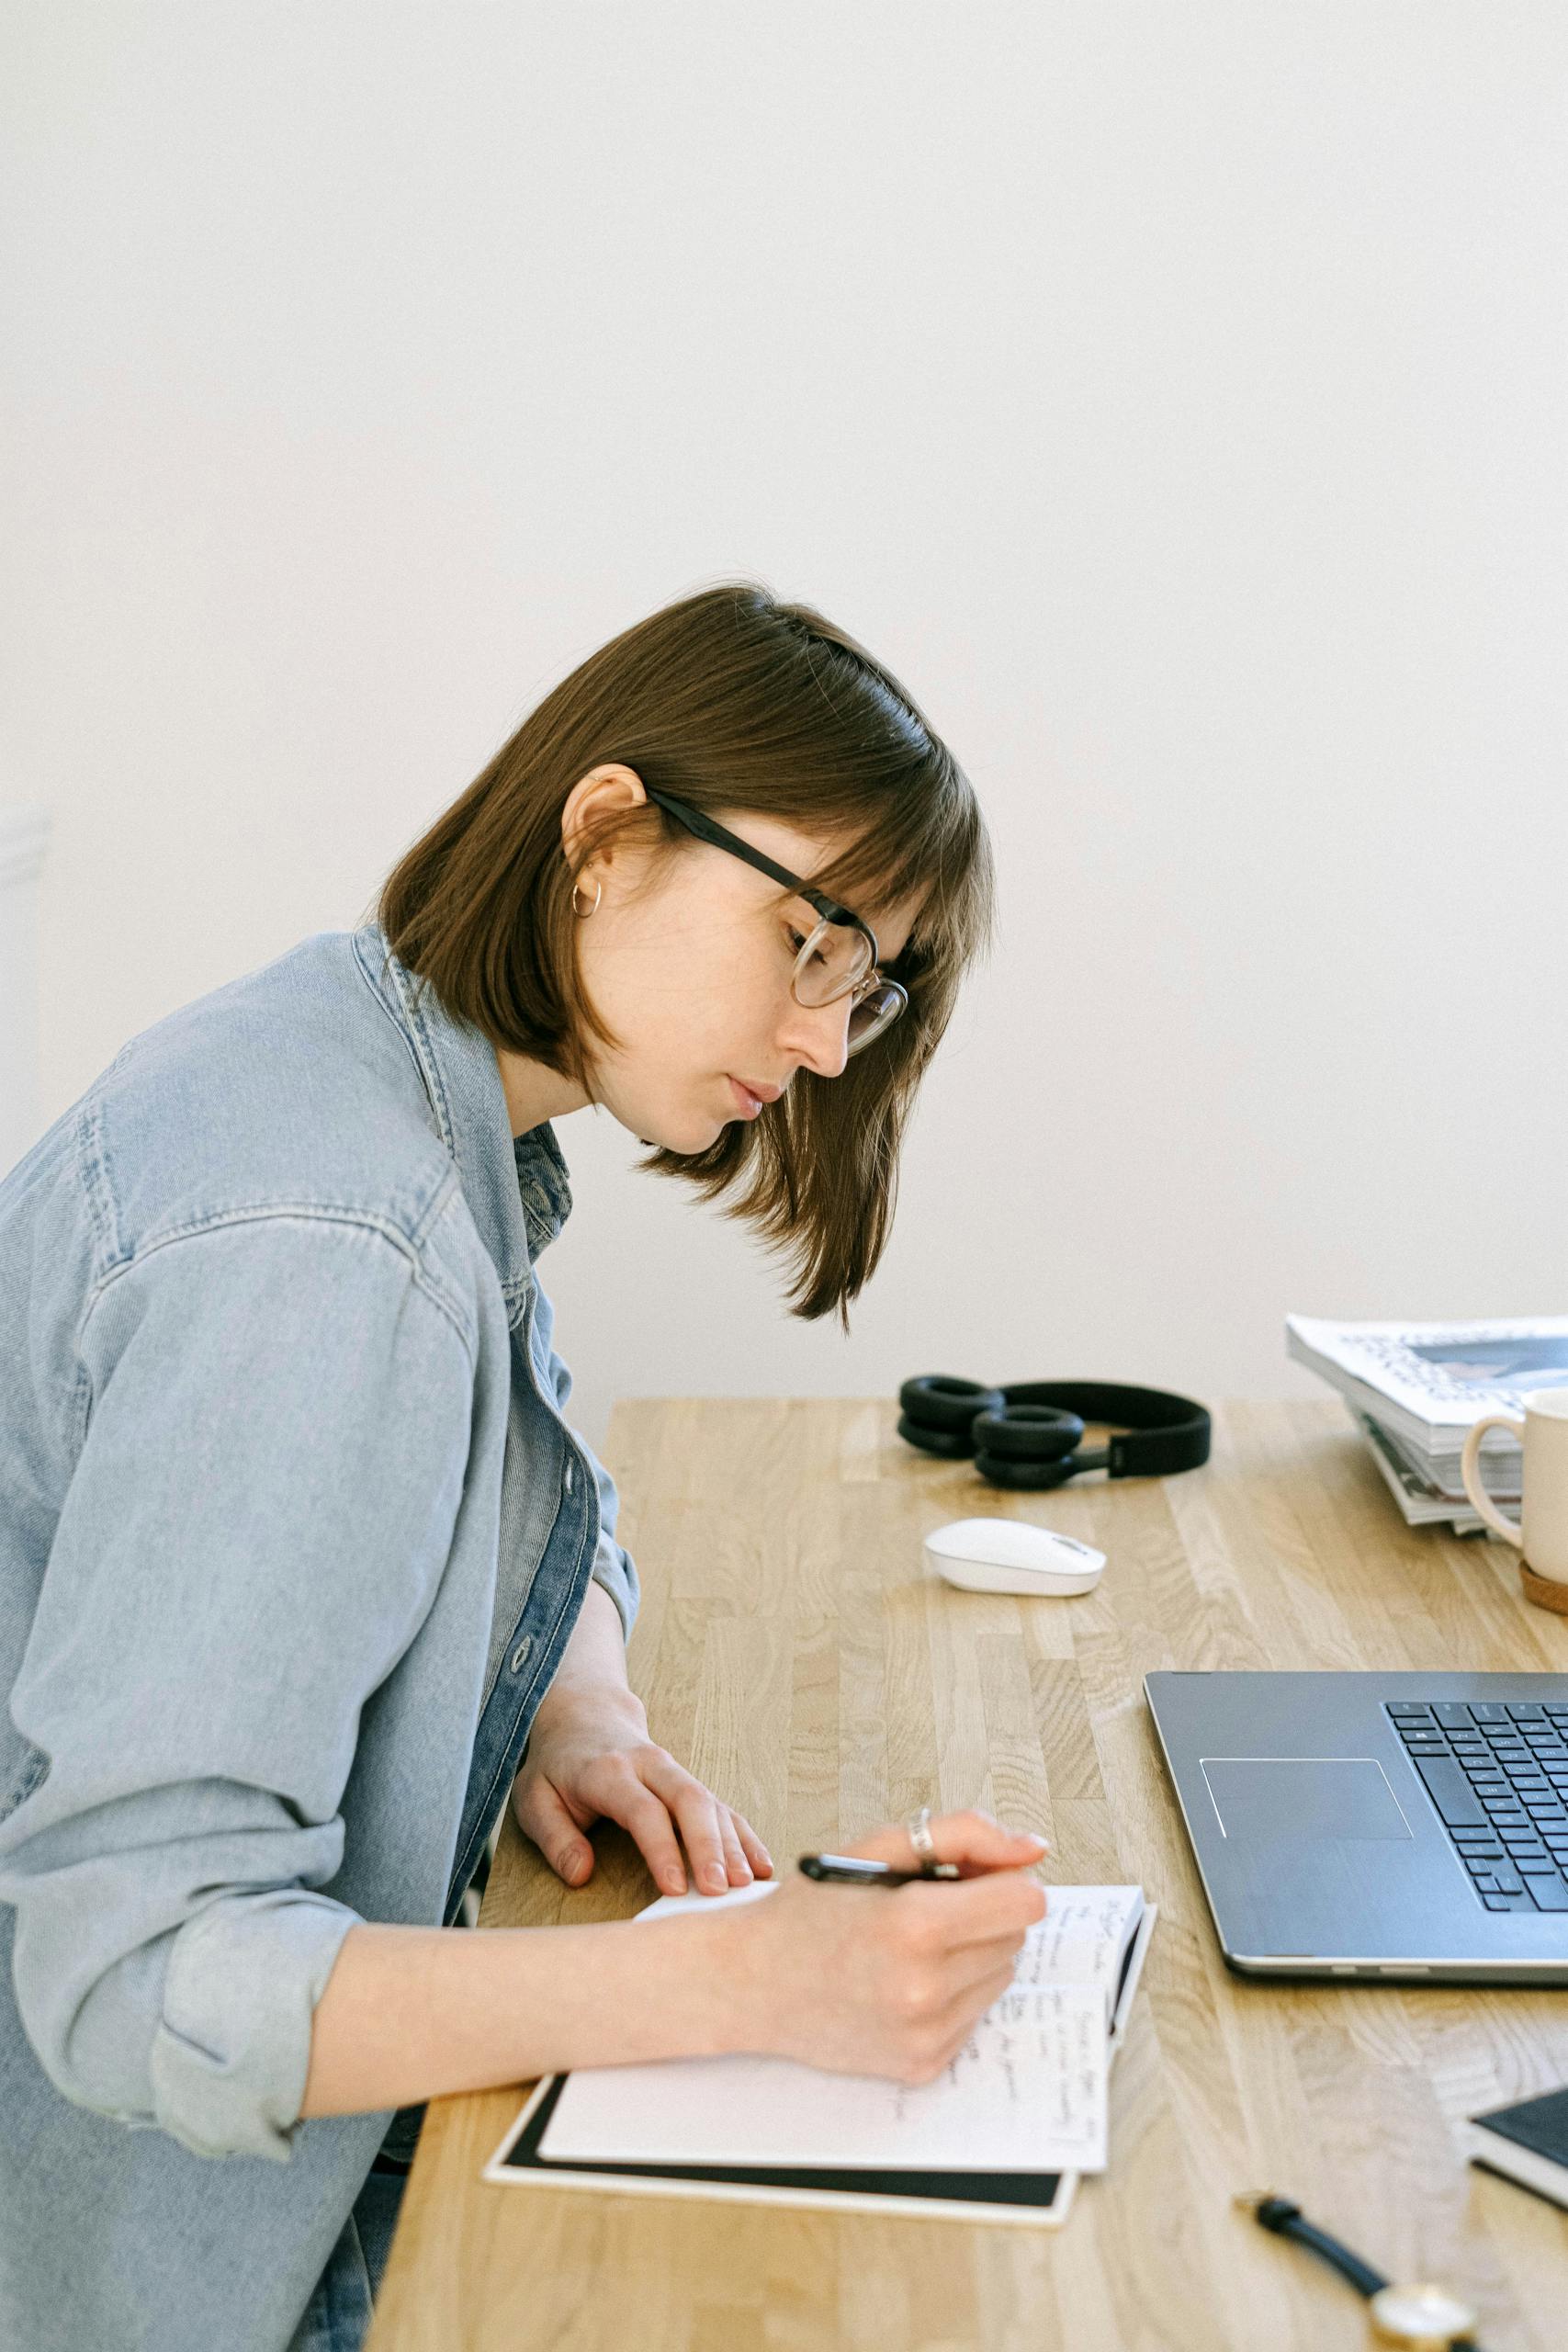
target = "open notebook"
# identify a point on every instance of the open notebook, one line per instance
(1001, 2135)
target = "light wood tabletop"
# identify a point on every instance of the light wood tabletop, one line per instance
(792, 1651)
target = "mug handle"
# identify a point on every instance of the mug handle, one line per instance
(1470, 1471)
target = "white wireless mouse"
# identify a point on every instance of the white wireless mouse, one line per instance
(1010, 1555)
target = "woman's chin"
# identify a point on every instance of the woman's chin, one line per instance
(703, 1136)
(687, 1117)
(684, 1137)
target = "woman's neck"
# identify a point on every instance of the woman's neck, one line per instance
(534, 1093)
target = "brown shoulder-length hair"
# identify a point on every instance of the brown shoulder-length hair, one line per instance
(732, 701)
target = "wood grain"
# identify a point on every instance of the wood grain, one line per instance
(792, 1650)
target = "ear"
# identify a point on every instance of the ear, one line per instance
(597, 794)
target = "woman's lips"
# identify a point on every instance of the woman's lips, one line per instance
(749, 1103)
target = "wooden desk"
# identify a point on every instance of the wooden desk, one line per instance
(790, 1650)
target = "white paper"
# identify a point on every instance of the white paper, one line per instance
(1027, 2093)
(1082, 1939)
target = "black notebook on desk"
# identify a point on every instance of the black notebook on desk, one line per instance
(773, 2105)
(1527, 2142)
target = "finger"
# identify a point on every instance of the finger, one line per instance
(974, 1968)
(954, 2024)
(698, 1812)
(972, 1839)
(977, 1843)
(739, 1869)
(542, 1817)
(968, 2006)
(756, 1853)
(640, 1813)
(996, 1908)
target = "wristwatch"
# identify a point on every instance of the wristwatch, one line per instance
(1419, 2317)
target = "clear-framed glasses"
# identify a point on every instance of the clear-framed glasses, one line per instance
(836, 958)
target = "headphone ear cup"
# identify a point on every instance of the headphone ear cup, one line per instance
(1000, 1472)
(935, 1402)
(1028, 1433)
(953, 1445)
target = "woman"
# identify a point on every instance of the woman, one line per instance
(304, 1571)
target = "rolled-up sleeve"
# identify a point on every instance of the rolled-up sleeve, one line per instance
(255, 1529)
(614, 1566)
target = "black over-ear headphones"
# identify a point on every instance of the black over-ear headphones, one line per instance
(1025, 1435)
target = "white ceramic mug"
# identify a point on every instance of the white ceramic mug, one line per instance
(1542, 1538)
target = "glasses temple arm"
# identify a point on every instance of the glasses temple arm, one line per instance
(718, 837)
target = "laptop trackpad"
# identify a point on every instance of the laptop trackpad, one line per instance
(1291, 1797)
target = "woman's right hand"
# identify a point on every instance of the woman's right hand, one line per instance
(873, 1981)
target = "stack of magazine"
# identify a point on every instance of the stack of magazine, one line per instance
(1414, 1390)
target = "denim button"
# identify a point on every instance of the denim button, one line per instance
(520, 1655)
(569, 1468)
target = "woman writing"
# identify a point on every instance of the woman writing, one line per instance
(304, 1572)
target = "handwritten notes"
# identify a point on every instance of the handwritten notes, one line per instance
(1027, 2092)
(1082, 1939)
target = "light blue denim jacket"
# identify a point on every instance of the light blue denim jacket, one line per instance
(292, 1537)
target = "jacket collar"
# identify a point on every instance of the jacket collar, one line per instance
(517, 1187)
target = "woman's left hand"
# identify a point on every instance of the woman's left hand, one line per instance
(590, 1759)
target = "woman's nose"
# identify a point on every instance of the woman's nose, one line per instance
(818, 1036)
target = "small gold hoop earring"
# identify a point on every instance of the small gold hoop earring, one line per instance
(579, 912)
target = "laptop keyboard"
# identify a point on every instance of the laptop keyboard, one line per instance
(1498, 1775)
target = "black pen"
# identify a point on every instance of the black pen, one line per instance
(846, 1870)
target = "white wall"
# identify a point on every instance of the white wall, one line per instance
(1175, 396)
(24, 837)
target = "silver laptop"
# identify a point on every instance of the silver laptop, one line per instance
(1377, 1825)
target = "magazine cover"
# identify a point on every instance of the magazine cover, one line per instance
(1438, 1377)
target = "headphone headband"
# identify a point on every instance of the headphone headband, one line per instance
(1028, 1434)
